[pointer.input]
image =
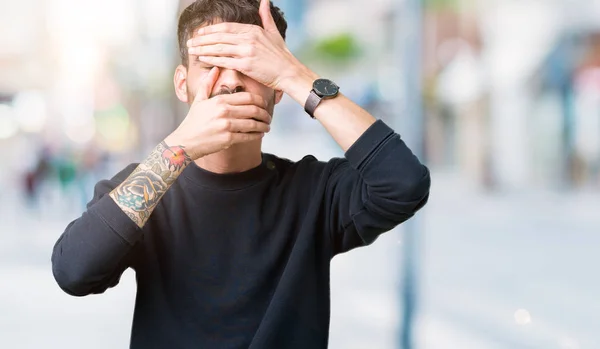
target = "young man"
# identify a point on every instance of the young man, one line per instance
(231, 246)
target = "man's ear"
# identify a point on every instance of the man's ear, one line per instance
(180, 82)
(278, 96)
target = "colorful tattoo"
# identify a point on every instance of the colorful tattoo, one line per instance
(175, 158)
(139, 194)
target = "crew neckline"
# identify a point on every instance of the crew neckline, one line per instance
(230, 181)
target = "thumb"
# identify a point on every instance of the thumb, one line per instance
(207, 85)
(265, 15)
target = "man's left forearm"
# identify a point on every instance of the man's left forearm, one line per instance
(343, 119)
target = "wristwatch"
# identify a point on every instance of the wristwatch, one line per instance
(322, 89)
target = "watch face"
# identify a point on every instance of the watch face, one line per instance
(325, 88)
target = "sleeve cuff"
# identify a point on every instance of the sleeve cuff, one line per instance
(117, 220)
(367, 143)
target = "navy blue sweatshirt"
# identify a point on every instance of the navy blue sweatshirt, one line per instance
(242, 260)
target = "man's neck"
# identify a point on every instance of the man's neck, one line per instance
(239, 158)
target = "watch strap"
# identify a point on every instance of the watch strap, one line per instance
(311, 103)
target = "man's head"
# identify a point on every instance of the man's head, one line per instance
(207, 12)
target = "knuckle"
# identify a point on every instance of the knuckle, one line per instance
(252, 34)
(228, 139)
(256, 110)
(250, 50)
(225, 124)
(221, 110)
(248, 98)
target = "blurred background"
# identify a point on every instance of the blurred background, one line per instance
(501, 99)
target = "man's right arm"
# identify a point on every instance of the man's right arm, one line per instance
(95, 249)
(98, 247)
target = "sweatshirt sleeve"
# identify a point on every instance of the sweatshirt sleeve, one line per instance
(378, 185)
(96, 248)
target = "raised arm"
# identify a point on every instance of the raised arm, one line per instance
(261, 54)
(95, 249)
(380, 184)
(99, 246)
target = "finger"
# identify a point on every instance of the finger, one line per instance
(243, 98)
(233, 63)
(248, 126)
(216, 38)
(267, 18)
(249, 112)
(207, 85)
(218, 50)
(227, 27)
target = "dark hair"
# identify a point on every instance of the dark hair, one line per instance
(207, 11)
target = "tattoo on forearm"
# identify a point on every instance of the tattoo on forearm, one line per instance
(139, 194)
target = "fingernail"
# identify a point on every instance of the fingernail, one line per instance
(189, 42)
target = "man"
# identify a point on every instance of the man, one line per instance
(231, 246)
